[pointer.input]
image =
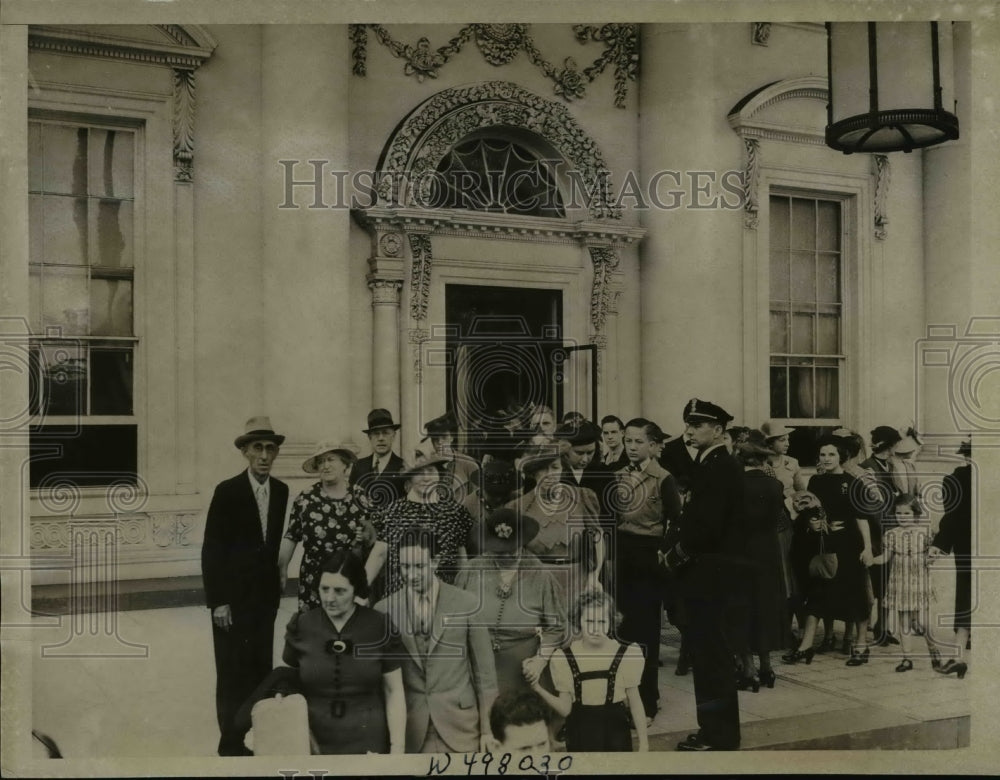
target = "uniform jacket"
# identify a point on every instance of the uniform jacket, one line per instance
(383, 489)
(676, 459)
(955, 531)
(238, 566)
(707, 543)
(456, 680)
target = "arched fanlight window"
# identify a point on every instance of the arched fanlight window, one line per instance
(498, 176)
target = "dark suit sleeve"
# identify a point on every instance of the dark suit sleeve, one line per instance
(707, 524)
(958, 488)
(215, 551)
(670, 499)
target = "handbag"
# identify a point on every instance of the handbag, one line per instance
(823, 565)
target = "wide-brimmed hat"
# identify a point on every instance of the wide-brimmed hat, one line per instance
(775, 430)
(541, 456)
(508, 530)
(446, 423)
(423, 462)
(347, 449)
(697, 410)
(885, 436)
(380, 418)
(578, 434)
(258, 428)
(499, 474)
(906, 445)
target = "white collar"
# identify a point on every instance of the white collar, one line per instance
(265, 485)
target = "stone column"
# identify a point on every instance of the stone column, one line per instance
(385, 343)
(306, 255)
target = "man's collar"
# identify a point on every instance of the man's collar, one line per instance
(254, 483)
(708, 449)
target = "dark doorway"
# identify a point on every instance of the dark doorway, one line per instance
(506, 345)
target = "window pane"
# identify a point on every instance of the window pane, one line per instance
(828, 335)
(65, 300)
(803, 224)
(827, 393)
(34, 156)
(828, 278)
(35, 298)
(110, 381)
(779, 275)
(801, 391)
(64, 378)
(114, 234)
(779, 331)
(92, 455)
(36, 230)
(828, 218)
(111, 307)
(802, 334)
(64, 151)
(779, 391)
(111, 163)
(803, 277)
(779, 222)
(65, 228)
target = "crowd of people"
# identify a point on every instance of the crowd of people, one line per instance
(505, 587)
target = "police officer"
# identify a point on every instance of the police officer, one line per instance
(703, 551)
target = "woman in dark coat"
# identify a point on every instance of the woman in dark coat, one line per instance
(850, 538)
(955, 536)
(810, 537)
(763, 513)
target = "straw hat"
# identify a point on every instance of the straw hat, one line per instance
(347, 449)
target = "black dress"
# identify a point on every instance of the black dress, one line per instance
(955, 536)
(763, 511)
(816, 593)
(849, 590)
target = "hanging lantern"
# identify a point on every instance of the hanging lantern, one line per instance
(891, 86)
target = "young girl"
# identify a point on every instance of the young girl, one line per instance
(811, 537)
(905, 550)
(595, 676)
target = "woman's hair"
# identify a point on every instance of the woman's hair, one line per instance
(350, 566)
(838, 443)
(587, 600)
(853, 444)
(750, 454)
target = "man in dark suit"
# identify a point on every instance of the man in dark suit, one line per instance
(239, 564)
(703, 550)
(613, 455)
(678, 457)
(378, 475)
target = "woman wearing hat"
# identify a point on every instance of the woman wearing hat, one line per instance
(763, 514)
(327, 517)
(569, 535)
(459, 472)
(422, 506)
(785, 467)
(520, 600)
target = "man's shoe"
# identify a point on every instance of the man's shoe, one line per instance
(694, 744)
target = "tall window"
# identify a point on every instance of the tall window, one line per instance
(806, 273)
(81, 222)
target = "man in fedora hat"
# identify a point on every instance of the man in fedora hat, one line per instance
(239, 564)
(459, 472)
(704, 550)
(378, 475)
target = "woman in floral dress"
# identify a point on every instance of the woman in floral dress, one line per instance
(326, 518)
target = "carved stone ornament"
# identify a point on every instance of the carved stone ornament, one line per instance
(605, 260)
(136, 532)
(500, 43)
(429, 132)
(417, 337)
(420, 274)
(761, 33)
(881, 171)
(183, 124)
(385, 292)
(390, 244)
(751, 179)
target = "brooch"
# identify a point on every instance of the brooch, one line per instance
(503, 590)
(337, 647)
(503, 531)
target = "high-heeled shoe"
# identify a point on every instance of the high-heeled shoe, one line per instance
(905, 665)
(799, 655)
(748, 684)
(767, 678)
(857, 658)
(958, 668)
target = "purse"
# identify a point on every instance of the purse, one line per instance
(823, 565)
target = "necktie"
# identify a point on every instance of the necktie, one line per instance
(378, 467)
(632, 467)
(262, 509)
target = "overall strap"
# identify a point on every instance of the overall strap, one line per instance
(613, 671)
(575, 669)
